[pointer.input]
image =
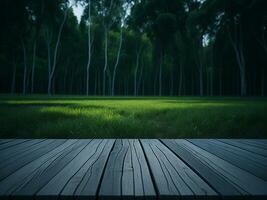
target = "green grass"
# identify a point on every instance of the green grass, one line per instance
(118, 117)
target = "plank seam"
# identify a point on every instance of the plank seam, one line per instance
(240, 188)
(13, 144)
(241, 156)
(81, 165)
(103, 172)
(150, 171)
(122, 167)
(89, 170)
(34, 159)
(59, 154)
(24, 150)
(195, 171)
(235, 145)
(47, 160)
(139, 164)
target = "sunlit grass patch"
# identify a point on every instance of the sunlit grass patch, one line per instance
(60, 117)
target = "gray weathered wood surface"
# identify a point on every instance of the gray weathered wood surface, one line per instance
(133, 169)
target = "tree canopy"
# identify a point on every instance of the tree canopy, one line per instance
(134, 47)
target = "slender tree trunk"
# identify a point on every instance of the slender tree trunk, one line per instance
(106, 61)
(13, 84)
(52, 70)
(211, 83)
(160, 73)
(89, 49)
(143, 88)
(125, 86)
(33, 65)
(237, 44)
(192, 85)
(116, 64)
(25, 68)
(180, 79)
(199, 64)
(95, 89)
(136, 71)
(171, 83)
(139, 81)
(262, 83)
(71, 82)
(201, 79)
(48, 43)
(220, 82)
(155, 82)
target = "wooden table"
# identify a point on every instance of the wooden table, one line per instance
(133, 169)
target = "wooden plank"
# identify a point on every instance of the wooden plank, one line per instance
(236, 157)
(131, 169)
(47, 171)
(53, 189)
(253, 157)
(111, 184)
(209, 174)
(12, 143)
(252, 149)
(173, 178)
(18, 149)
(85, 183)
(22, 175)
(143, 184)
(127, 174)
(12, 159)
(15, 163)
(262, 141)
(2, 141)
(254, 143)
(246, 183)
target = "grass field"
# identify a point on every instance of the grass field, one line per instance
(126, 117)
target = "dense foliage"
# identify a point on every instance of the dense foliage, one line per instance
(134, 47)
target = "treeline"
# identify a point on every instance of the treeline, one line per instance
(134, 47)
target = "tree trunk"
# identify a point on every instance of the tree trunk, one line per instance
(192, 85)
(155, 83)
(139, 80)
(211, 83)
(116, 65)
(52, 70)
(160, 73)
(171, 83)
(106, 61)
(25, 68)
(33, 65)
(89, 49)
(201, 93)
(48, 43)
(220, 82)
(262, 83)
(143, 88)
(136, 71)
(181, 79)
(95, 89)
(237, 44)
(13, 84)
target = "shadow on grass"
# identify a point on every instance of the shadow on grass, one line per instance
(57, 121)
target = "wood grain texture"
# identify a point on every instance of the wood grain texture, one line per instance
(172, 176)
(127, 174)
(234, 156)
(207, 172)
(107, 169)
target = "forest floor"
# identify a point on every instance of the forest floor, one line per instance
(128, 117)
